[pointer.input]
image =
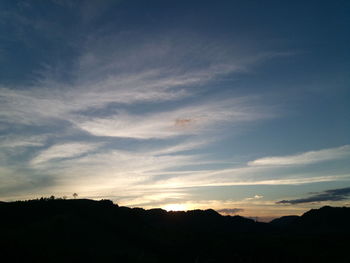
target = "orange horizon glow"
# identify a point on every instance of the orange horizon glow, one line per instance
(175, 207)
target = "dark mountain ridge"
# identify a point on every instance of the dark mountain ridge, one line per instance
(57, 230)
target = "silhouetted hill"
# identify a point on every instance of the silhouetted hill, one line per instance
(284, 221)
(51, 230)
(324, 219)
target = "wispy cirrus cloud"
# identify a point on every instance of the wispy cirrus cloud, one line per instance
(241, 177)
(15, 141)
(149, 170)
(187, 120)
(40, 105)
(253, 174)
(304, 158)
(327, 195)
(50, 101)
(108, 85)
(127, 89)
(61, 151)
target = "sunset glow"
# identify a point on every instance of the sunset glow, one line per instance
(175, 207)
(196, 105)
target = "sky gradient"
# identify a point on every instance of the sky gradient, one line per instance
(239, 106)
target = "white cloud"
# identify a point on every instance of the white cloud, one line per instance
(52, 101)
(182, 147)
(255, 197)
(14, 141)
(197, 180)
(66, 150)
(112, 70)
(187, 120)
(304, 158)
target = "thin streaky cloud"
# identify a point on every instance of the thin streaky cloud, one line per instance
(304, 158)
(203, 181)
(40, 104)
(66, 150)
(109, 71)
(182, 147)
(255, 197)
(14, 141)
(185, 121)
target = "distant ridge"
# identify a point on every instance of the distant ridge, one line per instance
(285, 220)
(324, 219)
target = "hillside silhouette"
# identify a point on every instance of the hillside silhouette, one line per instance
(82, 230)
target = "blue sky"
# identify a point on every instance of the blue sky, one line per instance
(236, 105)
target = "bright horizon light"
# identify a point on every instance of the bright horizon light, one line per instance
(175, 207)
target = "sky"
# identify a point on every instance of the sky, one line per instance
(239, 106)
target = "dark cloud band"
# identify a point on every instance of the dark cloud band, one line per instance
(328, 195)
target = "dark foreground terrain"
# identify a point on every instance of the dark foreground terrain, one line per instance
(50, 230)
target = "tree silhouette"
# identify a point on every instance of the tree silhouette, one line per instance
(75, 195)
